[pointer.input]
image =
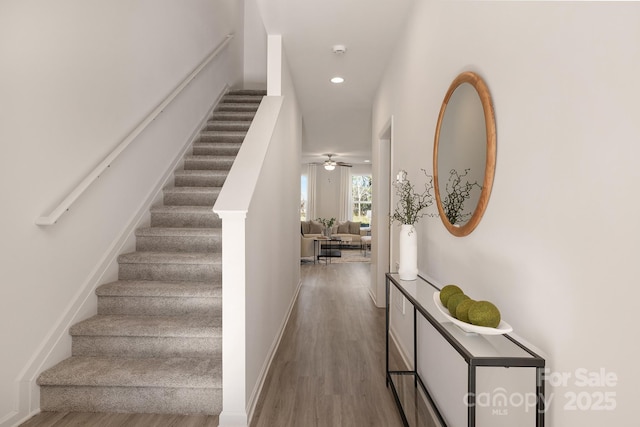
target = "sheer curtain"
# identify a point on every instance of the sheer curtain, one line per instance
(311, 191)
(345, 194)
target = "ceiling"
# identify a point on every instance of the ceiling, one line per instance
(336, 117)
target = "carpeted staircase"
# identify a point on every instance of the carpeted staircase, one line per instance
(155, 344)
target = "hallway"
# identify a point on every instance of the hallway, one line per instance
(329, 368)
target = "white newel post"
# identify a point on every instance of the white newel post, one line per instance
(408, 268)
(234, 395)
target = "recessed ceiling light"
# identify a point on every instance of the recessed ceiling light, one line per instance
(337, 80)
(367, 161)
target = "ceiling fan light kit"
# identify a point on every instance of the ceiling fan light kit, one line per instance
(331, 164)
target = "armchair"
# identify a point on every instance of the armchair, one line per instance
(307, 247)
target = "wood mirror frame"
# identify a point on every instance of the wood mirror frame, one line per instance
(490, 164)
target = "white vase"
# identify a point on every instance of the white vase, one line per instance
(408, 268)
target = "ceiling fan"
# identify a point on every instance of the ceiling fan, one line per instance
(331, 164)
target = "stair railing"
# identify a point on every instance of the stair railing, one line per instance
(66, 203)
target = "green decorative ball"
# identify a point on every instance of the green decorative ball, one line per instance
(484, 313)
(447, 291)
(462, 310)
(453, 302)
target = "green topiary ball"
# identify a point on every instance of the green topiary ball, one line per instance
(484, 313)
(453, 302)
(447, 291)
(462, 310)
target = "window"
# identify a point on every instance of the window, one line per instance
(361, 198)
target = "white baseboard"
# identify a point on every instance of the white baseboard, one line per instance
(373, 298)
(12, 419)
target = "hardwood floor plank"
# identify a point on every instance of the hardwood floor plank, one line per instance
(44, 419)
(329, 368)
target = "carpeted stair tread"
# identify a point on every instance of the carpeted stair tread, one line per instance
(216, 148)
(178, 239)
(170, 258)
(245, 116)
(223, 133)
(194, 190)
(241, 99)
(178, 231)
(150, 288)
(202, 173)
(238, 106)
(221, 144)
(224, 159)
(150, 326)
(254, 92)
(173, 372)
(206, 158)
(208, 162)
(184, 216)
(191, 196)
(222, 136)
(183, 209)
(200, 177)
(228, 125)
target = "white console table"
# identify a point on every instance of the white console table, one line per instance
(476, 350)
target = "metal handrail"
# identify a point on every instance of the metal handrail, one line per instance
(64, 206)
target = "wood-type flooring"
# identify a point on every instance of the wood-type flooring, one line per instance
(329, 368)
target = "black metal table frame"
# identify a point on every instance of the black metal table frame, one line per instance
(328, 253)
(472, 362)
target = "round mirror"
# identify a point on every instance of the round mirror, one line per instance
(464, 154)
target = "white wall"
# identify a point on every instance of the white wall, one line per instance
(76, 77)
(557, 247)
(273, 241)
(255, 48)
(327, 193)
(328, 190)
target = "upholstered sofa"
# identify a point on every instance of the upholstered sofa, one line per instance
(341, 229)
